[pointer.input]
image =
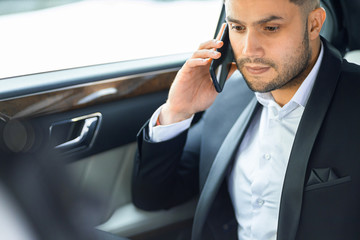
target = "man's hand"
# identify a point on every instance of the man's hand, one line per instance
(192, 90)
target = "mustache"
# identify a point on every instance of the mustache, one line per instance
(241, 62)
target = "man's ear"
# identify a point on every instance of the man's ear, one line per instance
(316, 20)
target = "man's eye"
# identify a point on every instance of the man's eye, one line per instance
(237, 28)
(271, 29)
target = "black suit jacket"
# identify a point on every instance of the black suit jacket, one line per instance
(321, 191)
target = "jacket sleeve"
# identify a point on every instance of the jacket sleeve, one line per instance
(166, 174)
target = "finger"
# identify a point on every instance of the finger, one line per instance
(206, 53)
(211, 44)
(197, 62)
(214, 43)
(218, 37)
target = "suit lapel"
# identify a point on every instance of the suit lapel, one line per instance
(220, 118)
(313, 116)
(219, 167)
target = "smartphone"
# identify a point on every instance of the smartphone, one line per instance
(220, 68)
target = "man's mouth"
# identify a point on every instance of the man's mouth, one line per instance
(256, 69)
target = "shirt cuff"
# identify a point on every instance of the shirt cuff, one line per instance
(166, 132)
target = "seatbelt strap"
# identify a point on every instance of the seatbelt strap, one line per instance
(218, 169)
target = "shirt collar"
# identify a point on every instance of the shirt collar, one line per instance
(303, 93)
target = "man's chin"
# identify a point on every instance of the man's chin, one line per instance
(261, 90)
(258, 85)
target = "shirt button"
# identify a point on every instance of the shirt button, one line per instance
(260, 202)
(267, 156)
(275, 112)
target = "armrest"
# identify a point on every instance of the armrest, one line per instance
(129, 221)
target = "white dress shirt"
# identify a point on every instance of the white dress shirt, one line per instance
(256, 179)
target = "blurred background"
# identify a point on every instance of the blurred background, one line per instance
(47, 35)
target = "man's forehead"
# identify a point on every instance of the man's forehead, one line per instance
(273, 1)
(259, 4)
(260, 10)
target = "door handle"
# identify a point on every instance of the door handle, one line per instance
(77, 133)
(85, 135)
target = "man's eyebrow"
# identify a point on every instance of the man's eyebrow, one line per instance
(230, 19)
(269, 19)
(262, 21)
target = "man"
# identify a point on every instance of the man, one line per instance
(281, 165)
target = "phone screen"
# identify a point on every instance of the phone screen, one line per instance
(219, 68)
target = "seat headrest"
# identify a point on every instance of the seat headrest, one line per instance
(332, 29)
(351, 15)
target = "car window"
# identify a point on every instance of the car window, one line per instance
(41, 36)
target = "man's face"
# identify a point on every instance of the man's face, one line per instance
(270, 42)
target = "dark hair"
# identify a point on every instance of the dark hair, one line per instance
(306, 5)
(310, 2)
(302, 2)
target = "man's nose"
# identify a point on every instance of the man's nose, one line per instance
(252, 47)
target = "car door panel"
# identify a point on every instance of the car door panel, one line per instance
(123, 95)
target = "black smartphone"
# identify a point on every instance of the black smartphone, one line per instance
(220, 68)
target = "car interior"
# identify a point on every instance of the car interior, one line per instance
(87, 119)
